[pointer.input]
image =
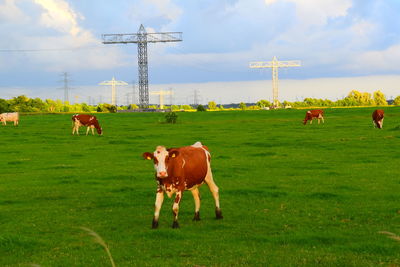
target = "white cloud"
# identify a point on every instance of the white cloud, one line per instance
(160, 13)
(60, 16)
(10, 12)
(377, 61)
(316, 12)
(78, 49)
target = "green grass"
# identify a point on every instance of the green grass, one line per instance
(291, 195)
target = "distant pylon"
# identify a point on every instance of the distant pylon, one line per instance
(113, 83)
(66, 87)
(161, 94)
(195, 98)
(274, 64)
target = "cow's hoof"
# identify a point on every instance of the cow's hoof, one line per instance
(175, 224)
(196, 216)
(218, 214)
(154, 225)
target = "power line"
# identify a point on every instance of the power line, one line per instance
(51, 49)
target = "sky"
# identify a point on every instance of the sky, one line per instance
(343, 45)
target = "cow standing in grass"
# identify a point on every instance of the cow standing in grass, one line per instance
(314, 114)
(180, 169)
(377, 118)
(85, 120)
(13, 117)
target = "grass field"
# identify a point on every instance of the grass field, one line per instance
(291, 195)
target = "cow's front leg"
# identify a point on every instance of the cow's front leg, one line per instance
(157, 208)
(87, 130)
(175, 209)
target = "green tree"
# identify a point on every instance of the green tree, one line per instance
(212, 105)
(133, 106)
(174, 107)
(242, 106)
(200, 108)
(380, 99)
(4, 106)
(85, 107)
(397, 101)
(186, 107)
(263, 103)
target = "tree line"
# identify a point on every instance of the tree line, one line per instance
(23, 103)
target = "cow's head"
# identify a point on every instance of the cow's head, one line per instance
(378, 124)
(307, 118)
(99, 130)
(161, 158)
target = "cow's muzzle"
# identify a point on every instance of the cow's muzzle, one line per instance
(162, 175)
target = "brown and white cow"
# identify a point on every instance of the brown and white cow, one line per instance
(377, 118)
(14, 117)
(180, 169)
(85, 120)
(314, 114)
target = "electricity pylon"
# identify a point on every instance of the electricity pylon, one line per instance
(113, 83)
(274, 64)
(142, 38)
(161, 94)
(66, 88)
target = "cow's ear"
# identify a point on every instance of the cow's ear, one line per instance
(148, 155)
(173, 153)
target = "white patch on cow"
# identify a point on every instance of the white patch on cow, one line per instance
(91, 118)
(309, 112)
(183, 164)
(170, 190)
(158, 204)
(160, 154)
(197, 144)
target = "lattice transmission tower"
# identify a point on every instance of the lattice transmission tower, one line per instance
(161, 93)
(113, 84)
(274, 64)
(142, 38)
(66, 87)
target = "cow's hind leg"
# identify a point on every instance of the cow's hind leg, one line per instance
(175, 209)
(196, 197)
(157, 208)
(215, 192)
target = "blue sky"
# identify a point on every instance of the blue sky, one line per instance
(336, 40)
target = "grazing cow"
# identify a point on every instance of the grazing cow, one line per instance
(377, 118)
(85, 120)
(180, 169)
(14, 117)
(314, 114)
